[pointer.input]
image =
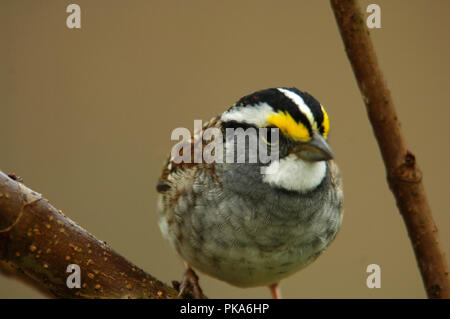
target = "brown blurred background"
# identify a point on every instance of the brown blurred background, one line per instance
(85, 112)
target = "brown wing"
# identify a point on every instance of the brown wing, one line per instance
(196, 143)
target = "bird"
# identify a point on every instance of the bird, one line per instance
(232, 221)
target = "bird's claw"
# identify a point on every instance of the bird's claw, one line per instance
(189, 287)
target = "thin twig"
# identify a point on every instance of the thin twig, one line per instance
(403, 174)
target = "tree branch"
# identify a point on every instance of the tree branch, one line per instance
(38, 242)
(403, 174)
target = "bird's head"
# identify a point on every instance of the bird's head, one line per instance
(302, 121)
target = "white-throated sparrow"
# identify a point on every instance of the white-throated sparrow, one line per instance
(235, 223)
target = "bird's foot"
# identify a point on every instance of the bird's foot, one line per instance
(275, 291)
(189, 287)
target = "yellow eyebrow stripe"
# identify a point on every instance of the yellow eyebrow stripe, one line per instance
(325, 123)
(289, 126)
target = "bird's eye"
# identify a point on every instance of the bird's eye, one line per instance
(268, 138)
(265, 140)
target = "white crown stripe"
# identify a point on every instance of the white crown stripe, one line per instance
(301, 105)
(256, 114)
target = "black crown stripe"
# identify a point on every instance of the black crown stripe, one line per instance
(313, 105)
(279, 102)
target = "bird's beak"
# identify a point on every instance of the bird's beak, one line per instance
(317, 149)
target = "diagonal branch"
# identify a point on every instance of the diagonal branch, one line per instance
(37, 242)
(403, 174)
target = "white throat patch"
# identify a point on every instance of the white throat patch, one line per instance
(295, 174)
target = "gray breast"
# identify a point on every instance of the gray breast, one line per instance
(248, 233)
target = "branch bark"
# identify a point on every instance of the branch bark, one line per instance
(38, 242)
(403, 174)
